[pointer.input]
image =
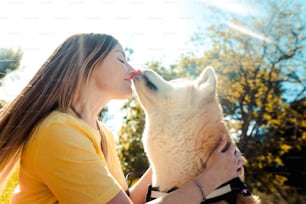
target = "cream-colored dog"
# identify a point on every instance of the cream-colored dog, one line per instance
(184, 124)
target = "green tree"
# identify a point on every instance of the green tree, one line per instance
(9, 61)
(131, 151)
(2, 103)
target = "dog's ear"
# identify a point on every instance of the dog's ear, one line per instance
(207, 80)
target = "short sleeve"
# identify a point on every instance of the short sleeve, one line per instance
(69, 163)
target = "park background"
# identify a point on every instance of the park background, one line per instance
(256, 47)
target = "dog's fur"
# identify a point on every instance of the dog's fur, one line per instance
(184, 124)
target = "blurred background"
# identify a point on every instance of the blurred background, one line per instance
(256, 47)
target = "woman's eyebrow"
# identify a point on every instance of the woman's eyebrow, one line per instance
(120, 52)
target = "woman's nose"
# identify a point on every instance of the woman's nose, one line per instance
(130, 68)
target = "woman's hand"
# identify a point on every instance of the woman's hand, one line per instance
(225, 165)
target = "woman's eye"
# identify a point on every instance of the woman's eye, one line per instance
(121, 60)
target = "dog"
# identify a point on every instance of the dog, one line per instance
(184, 124)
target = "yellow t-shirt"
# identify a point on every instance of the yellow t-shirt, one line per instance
(63, 163)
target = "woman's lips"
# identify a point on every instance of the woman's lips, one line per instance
(135, 73)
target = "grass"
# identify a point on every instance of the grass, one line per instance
(6, 195)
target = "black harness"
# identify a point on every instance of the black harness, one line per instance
(227, 192)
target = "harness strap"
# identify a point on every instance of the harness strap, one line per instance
(227, 191)
(154, 193)
(219, 191)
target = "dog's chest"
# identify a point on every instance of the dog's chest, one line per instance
(170, 144)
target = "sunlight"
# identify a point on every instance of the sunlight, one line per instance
(240, 8)
(145, 26)
(248, 32)
(234, 7)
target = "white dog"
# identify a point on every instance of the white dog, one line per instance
(184, 124)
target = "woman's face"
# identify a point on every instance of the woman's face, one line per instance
(112, 77)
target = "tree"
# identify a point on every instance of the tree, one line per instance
(131, 151)
(260, 78)
(292, 150)
(2, 103)
(9, 61)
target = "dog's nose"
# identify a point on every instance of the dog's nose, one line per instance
(135, 73)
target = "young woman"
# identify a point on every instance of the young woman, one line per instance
(65, 154)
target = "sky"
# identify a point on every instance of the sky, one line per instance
(152, 29)
(155, 29)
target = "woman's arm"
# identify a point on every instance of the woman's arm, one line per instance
(137, 192)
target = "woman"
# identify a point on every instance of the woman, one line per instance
(65, 154)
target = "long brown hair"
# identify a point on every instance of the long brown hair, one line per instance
(52, 88)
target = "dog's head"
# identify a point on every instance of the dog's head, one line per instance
(184, 108)
(178, 97)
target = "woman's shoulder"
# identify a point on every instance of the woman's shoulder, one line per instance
(58, 117)
(60, 126)
(65, 120)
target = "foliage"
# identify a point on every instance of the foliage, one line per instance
(130, 147)
(9, 60)
(12, 183)
(262, 93)
(2, 103)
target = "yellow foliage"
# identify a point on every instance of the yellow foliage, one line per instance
(285, 148)
(267, 116)
(279, 180)
(303, 137)
(12, 183)
(247, 99)
(303, 123)
(278, 161)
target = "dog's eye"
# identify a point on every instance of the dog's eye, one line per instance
(149, 84)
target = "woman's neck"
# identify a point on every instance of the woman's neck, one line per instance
(88, 103)
(89, 115)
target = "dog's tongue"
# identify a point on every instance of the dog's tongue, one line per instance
(136, 73)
